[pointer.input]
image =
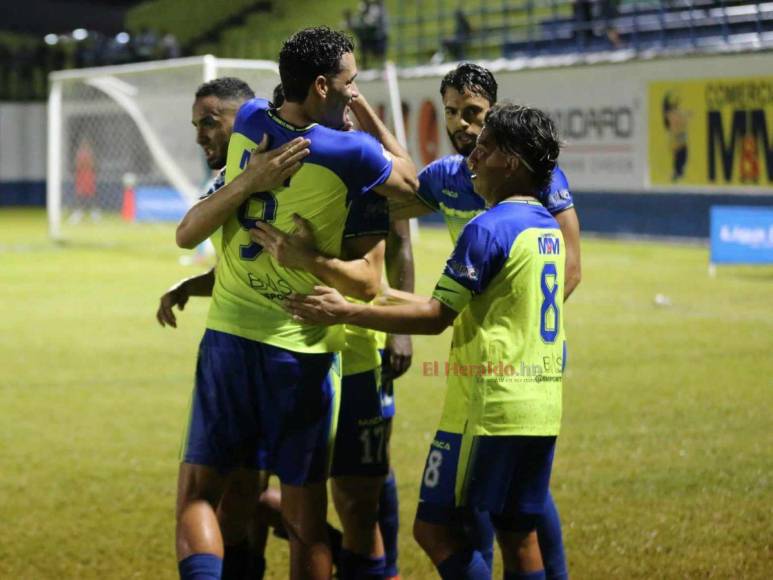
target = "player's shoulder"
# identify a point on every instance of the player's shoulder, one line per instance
(557, 197)
(250, 110)
(250, 118)
(507, 220)
(449, 165)
(345, 141)
(558, 180)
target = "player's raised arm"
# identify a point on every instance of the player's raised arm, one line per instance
(402, 182)
(570, 229)
(266, 170)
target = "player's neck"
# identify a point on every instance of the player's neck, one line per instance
(295, 114)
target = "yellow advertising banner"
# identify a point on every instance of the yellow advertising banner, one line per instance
(711, 132)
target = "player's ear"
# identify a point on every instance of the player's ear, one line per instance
(320, 87)
(511, 163)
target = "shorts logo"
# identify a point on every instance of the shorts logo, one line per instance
(441, 445)
(450, 193)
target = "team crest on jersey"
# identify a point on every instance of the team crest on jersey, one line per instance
(549, 245)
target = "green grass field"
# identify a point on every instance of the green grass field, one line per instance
(664, 464)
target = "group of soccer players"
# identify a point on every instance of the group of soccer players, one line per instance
(299, 219)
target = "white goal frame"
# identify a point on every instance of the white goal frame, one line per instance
(108, 81)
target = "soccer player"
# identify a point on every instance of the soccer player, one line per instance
(281, 422)
(366, 502)
(445, 185)
(502, 289)
(214, 111)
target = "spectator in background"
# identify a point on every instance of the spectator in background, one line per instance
(370, 27)
(170, 47)
(584, 21)
(457, 45)
(5, 71)
(145, 45)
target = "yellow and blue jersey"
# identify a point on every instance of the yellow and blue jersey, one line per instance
(505, 279)
(250, 285)
(368, 216)
(445, 185)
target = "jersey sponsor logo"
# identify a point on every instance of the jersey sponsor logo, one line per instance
(549, 245)
(268, 287)
(450, 193)
(464, 270)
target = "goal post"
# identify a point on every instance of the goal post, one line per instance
(120, 141)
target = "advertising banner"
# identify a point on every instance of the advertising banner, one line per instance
(741, 235)
(712, 132)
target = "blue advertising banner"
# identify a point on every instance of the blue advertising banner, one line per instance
(741, 235)
(158, 204)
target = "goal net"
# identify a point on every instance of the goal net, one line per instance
(120, 142)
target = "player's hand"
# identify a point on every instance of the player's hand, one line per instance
(293, 250)
(175, 296)
(398, 354)
(324, 306)
(267, 170)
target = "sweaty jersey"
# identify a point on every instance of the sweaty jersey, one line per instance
(505, 278)
(250, 285)
(368, 216)
(445, 185)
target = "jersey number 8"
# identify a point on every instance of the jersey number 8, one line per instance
(549, 315)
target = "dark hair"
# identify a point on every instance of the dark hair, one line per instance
(226, 88)
(307, 54)
(528, 133)
(473, 78)
(278, 98)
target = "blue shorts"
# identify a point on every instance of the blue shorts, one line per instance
(507, 476)
(261, 407)
(362, 436)
(387, 388)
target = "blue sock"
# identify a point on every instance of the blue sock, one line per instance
(200, 567)
(258, 568)
(389, 522)
(481, 536)
(356, 567)
(551, 543)
(236, 560)
(525, 575)
(466, 565)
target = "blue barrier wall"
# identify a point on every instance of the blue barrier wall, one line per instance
(650, 214)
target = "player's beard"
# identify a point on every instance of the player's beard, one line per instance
(464, 150)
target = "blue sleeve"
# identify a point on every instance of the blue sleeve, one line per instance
(370, 165)
(476, 259)
(368, 216)
(428, 186)
(243, 122)
(558, 197)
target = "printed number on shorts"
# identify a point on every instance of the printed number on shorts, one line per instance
(549, 315)
(432, 473)
(268, 214)
(368, 436)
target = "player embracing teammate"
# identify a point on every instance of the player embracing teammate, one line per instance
(266, 387)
